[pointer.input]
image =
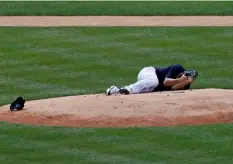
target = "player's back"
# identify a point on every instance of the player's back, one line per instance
(163, 71)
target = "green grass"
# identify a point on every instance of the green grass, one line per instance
(165, 145)
(49, 62)
(116, 8)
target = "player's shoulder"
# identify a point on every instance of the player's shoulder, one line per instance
(177, 66)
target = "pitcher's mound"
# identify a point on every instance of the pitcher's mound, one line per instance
(192, 107)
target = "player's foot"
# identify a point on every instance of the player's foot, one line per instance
(125, 90)
(112, 90)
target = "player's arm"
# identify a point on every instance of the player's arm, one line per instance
(182, 84)
(168, 82)
(171, 77)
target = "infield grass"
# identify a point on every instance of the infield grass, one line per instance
(117, 8)
(165, 145)
(49, 62)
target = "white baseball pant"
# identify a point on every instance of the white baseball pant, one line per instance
(147, 80)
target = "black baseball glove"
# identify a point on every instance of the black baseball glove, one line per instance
(18, 104)
(191, 73)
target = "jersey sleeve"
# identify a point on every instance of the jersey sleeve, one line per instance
(175, 70)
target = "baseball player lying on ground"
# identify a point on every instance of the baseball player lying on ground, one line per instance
(152, 79)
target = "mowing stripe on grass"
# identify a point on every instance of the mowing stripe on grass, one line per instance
(189, 144)
(117, 8)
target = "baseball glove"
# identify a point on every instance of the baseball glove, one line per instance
(191, 73)
(18, 104)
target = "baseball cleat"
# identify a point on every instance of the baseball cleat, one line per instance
(112, 90)
(125, 90)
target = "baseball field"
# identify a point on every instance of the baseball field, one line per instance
(63, 65)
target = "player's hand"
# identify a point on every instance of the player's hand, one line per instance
(190, 79)
(183, 78)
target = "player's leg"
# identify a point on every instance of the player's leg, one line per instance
(116, 90)
(143, 86)
(147, 81)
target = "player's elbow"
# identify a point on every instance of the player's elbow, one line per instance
(166, 83)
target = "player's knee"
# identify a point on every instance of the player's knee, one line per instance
(153, 83)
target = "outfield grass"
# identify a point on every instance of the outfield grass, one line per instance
(116, 8)
(176, 145)
(49, 62)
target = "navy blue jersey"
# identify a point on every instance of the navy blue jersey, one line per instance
(172, 71)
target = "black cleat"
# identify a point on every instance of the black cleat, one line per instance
(124, 91)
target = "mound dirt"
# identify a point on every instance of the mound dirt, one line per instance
(191, 107)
